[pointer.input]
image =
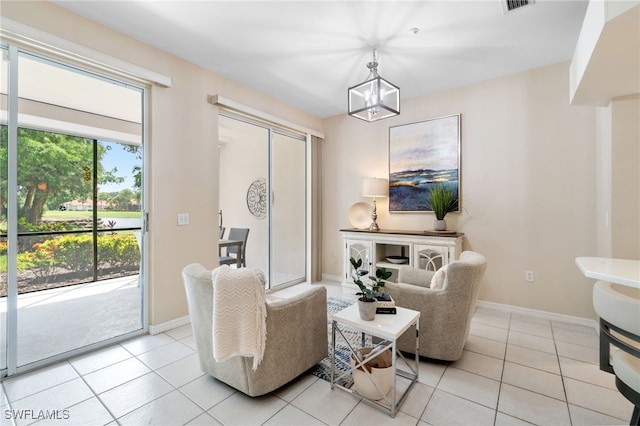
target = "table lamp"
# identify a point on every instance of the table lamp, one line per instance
(373, 187)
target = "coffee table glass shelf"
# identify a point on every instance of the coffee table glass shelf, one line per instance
(388, 328)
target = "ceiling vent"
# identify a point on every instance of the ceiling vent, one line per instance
(511, 5)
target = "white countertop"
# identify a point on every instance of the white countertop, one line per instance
(619, 271)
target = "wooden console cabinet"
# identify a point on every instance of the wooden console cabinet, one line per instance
(422, 249)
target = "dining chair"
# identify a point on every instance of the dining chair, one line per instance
(231, 257)
(618, 307)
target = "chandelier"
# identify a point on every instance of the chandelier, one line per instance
(375, 98)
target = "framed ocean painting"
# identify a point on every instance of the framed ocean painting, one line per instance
(422, 155)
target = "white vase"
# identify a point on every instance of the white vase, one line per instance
(440, 225)
(367, 310)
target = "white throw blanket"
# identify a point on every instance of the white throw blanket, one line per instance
(239, 313)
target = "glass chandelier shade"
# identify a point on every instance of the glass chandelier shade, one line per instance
(375, 98)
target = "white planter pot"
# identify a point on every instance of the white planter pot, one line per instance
(440, 225)
(367, 310)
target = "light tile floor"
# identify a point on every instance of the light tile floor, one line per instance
(515, 370)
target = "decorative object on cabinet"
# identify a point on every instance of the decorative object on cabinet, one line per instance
(373, 187)
(360, 215)
(442, 201)
(375, 98)
(398, 260)
(257, 198)
(424, 249)
(422, 155)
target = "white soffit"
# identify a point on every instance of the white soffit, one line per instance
(57, 99)
(606, 63)
(75, 129)
(77, 91)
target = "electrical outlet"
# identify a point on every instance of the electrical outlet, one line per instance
(183, 219)
(528, 276)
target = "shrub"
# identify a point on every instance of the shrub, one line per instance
(75, 253)
(40, 261)
(118, 251)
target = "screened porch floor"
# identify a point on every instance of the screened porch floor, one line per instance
(55, 321)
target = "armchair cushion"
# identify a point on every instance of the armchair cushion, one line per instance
(439, 278)
(415, 276)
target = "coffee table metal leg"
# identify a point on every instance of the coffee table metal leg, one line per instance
(417, 348)
(333, 352)
(394, 363)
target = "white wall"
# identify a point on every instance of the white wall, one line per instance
(528, 184)
(625, 177)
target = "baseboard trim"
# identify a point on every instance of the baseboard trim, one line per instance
(331, 277)
(586, 322)
(169, 325)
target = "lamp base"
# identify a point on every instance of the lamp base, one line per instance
(374, 216)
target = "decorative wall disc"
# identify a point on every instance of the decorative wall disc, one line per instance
(257, 198)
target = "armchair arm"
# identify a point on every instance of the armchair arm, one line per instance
(296, 340)
(423, 299)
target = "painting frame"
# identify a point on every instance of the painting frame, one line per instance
(423, 154)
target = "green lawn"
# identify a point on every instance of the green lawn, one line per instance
(68, 215)
(56, 214)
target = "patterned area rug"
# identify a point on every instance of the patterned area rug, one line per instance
(323, 368)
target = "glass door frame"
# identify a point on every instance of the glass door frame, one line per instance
(307, 140)
(11, 332)
(307, 177)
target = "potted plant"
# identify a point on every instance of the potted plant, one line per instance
(367, 303)
(443, 201)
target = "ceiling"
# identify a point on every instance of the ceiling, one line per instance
(307, 53)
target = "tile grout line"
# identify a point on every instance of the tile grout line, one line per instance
(504, 361)
(94, 393)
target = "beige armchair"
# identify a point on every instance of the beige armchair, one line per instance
(446, 301)
(296, 336)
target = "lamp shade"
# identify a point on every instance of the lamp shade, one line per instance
(374, 187)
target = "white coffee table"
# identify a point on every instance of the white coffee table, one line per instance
(388, 328)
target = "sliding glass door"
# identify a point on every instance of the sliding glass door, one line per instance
(288, 209)
(71, 211)
(263, 186)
